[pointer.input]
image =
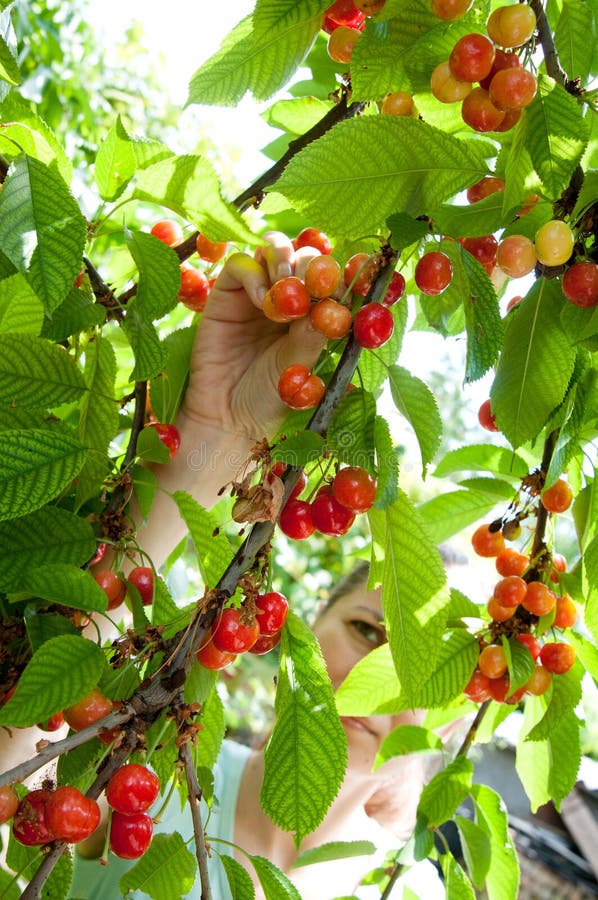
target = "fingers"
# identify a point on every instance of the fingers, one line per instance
(303, 345)
(278, 255)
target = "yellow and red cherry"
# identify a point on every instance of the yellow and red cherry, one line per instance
(341, 44)
(513, 89)
(472, 57)
(488, 185)
(492, 661)
(445, 87)
(322, 277)
(359, 273)
(299, 388)
(449, 10)
(554, 243)
(289, 299)
(9, 802)
(487, 543)
(210, 251)
(313, 237)
(580, 284)
(558, 497)
(399, 103)
(510, 562)
(511, 26)
(497, 612)
(557, 657)
(539, 682)
(168, 231)
(538, 600)
(194, 289)
(565, 615)
(510, 591)
(502, 60)
(331, 318)
(530, 642)
(516, 255)
(479, 112)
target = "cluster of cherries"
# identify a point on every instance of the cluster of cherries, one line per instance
(115, 588)
(254, 628)
(516, 604)
(66, 814)
(195, 283)
(344, 21)
(505, 88)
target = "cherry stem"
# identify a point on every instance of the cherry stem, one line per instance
(119, 494)
(194, 796)
(539, 544)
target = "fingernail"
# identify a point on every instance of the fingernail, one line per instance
(260, 294)
(283, 270)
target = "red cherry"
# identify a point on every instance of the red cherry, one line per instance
(489, 184)
(395, 289)
(557, 657)
(132, 789)
(532, 643)
(99, 554)
(498, 688)
(211, 251)
(278, 469)
(510, 562)
(502, 60)
(113, 586)
(29, 825)
(487, 543)
(359, 272)
(373, 326)
(272, 610)
(130, 836)
(9, 802)
(485, 417)
(299, 388)
(169, 435)
(472, 57)
(558, 497)
(479, 112)
(72, 816)
(53, 723)
(287, 299)
(476, 688)
(331, 318)
(433, 273)
(538, 600)
(295, 520)
(265, 643)
(328, 515)
(231, 633)
(168, 231)
(88, 711)
(510, 591)
(354, 488)
(483, 249)
(142, 577)
(195, 288)
(513, 88)
(580, 284)
(313, 237)
(211, 658)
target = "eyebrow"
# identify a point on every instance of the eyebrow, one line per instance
(374, 613)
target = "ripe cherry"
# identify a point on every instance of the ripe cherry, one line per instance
(194, 289)
(395, 290)
(211, 251)
(272, 609)
(331, 318)
(299, 388)
(449, 10)
(9, 802)
(433, 273)
(400, 103)
(313, 237)
(328, 515)
(538, 599)
(558, 497)
(53, 723)
(493, 661)
(487, 543)
(557, 657)
(265, 643)
(445, 87)
(70, 815)
(554, 243)
(510, 562)
(476, 688)
(232, 632)
(510, 591)
(373, 326)
(88, 711)
(513, 89)
(287, 299)
(539, 682)
(212, 658)
(142, 577)
(497, 612)
(101, 550)
(370, 7)
(130, 836)
(516, 255)
(113, 586)
(498, 688)
(29, 825)
(488, 185)
(511, 26)
(132, 789)
(354, 488)
(479, 112)
(278, 470)
(580, 284)
(530, 642)
(514, 301)
(322, 276)
(502, 60)
(566, 612)
(341, 43)
(169, 435)
(295, 520)
(168, 231)
(486, 418)
(359, 272)
(483, 249)
(344, 12)
(559, 564)
(472, 57)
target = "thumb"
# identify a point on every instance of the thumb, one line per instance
(303, 345)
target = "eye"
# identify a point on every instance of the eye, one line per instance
(373, 634)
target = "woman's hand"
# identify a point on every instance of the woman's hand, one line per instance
(239, 354)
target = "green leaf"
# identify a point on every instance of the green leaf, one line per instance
(9, 887)
(456, 662)
(24, 132)
(150, 448)
(482, 458)
(36, 202)
(447, 514)
(334, 850)
(299, 449)
(535, 365)
(44, 626)
(350, 435)
(67, 585)
(555, 135)
(521, 664)
(387, 464)
(51, 535)
(166, 871)
(165, 611)
(275, 884)
(458, 886)
(98, 423)
(159, 274)
(9, 67)
(148, 151)
(475, 844)
(296, 116)
(407, 739)
(518, 167)
(563, 699)
(76, 313)
(305, 756)
(209, 740)
(445, 792)
(63, 671)
(145, 485)
(78, 766)
(189, 186)
(586, 652)
(270, 14)
(21, 310)
(239, 880)
(502, 878)
(213, 550)
(575, 38)
(475, 220)
(35, 373)
(416, 402)
(414, 596)
(371, 686)
(145, 343)
(115, 162)
(415, 168)
(168, 387)
(493, 487)
(252, 61)
(38, 465)
(405, 230)
(461, 606)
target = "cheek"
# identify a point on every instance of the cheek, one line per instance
(339, 658)
(409, 717)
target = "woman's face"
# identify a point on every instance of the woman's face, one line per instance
(347, 632)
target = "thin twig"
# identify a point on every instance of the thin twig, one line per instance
(551, 57)
(396, 873)
(473, 730)
(194, 796)
(120, 492)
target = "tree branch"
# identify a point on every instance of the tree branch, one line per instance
(551, 58)
(194, 796)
